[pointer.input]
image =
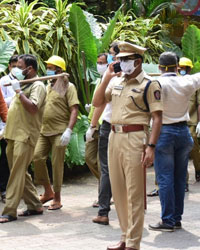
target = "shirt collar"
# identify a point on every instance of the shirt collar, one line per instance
(169, 74)
(140, 77)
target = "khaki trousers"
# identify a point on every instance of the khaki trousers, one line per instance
(44, 146)
(92, 157)
(20, 183)
(195, 153)
(127, 183)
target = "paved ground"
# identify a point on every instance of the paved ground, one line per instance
(71, 228)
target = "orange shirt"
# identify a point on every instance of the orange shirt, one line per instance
(3, 108)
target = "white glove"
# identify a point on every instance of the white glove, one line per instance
(65, 138)
(15, 84)
(89, 134)
(1, 133)
(198, 129)
(88, 107)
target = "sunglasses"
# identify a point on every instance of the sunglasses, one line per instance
(126, 58)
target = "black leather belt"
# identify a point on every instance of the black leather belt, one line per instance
(183, 123)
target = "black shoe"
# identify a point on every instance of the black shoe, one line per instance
(197, 176)
(153, 193)
(187, 187)
(178, 225)
(3, 197)
(160, 226)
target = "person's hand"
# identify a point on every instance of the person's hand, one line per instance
(65, 138)
(1, 133)
(90, 133)
(15, 85)
(88, 107)
(198, 129)
(148, 157)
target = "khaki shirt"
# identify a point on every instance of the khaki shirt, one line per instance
(193, 108)
(57, 110)
(22, 125)
(127, 99)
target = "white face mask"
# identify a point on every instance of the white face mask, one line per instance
(128, 66)
(101, 68)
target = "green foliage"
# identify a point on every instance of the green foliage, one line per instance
(191, 46)
(144, 32)
(7, 49)
(191, 43)
(75, 152)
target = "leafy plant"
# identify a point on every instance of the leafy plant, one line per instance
(75, 152)
(7, 49)
(191, 46)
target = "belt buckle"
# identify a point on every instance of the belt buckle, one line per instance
(118, 128)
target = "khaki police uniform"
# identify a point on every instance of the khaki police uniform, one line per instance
(126, 148)
(193, 111)
(55, 120)
(22, 131)
(91, 147)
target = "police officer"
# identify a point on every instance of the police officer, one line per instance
(127, 141)
(185, 67)
(22, 131)
(60, 115)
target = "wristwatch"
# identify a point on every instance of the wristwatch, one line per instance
(151, 145)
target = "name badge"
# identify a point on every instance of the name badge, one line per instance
(119, 87)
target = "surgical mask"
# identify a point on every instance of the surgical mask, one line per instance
(101, 68)
(128, 66)
(18, 73)
(50, 72)
(110, 58)
(183, 72)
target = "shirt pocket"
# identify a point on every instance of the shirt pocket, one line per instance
(134, 99)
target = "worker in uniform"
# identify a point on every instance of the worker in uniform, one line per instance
(22, 132)
(185, 67)
(129, 151)
(60, 115)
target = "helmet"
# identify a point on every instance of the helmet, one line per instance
(58, 61)
(184, 61)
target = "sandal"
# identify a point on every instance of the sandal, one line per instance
(54, 206)
(43, 200)
(29, 212)
(7, 218)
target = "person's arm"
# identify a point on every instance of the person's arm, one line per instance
(97, 114)
(66, 136)
(150, 150)
(99, 95)
(27, 104)
(73, 116)
(3, 107)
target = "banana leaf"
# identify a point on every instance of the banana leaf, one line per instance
(191, 43)
(75, 152)
(7, 48)
(105, 40)
(82, 33)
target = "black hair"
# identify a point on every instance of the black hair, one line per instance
(29, 60)
(13, 59)
(115, 47)
(137, 56)
(168, 58)
(103, 54)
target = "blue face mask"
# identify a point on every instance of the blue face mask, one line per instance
(183, 72)
(50, 72)
(110, 58)
(17, 73)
